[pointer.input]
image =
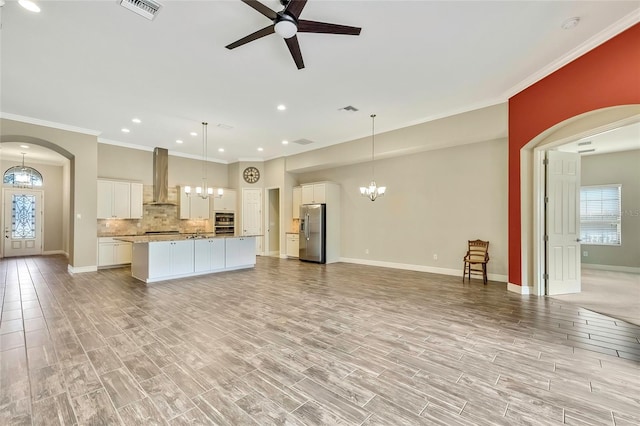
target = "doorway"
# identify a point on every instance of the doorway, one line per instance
(23, 222)
(272, 222)
(618, 164)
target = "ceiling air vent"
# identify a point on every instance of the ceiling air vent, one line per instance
(303, 141)
(584, 143)
(583, 151)
(145, 8)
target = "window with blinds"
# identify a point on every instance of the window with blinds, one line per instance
(600, 214)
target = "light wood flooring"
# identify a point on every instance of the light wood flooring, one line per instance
(303, 344)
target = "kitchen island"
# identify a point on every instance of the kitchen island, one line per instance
(163, 257)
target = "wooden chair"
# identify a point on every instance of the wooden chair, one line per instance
(475, 261)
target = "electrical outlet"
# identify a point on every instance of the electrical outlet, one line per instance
(435, 257)
(366, 251)
(585, 253)
(107, 224)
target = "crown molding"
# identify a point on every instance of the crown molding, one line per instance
(607, 34)
(46, 123)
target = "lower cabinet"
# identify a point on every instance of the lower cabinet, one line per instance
(112, 252)
(170, 258)
(162, 260)
(293, 244)
(209, 254)
(240, 251)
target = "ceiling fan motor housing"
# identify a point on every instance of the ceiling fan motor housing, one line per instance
(285, 25)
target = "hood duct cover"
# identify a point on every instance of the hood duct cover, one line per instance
(161, 177)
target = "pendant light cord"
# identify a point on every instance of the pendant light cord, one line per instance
(204, 152)
(373, 145)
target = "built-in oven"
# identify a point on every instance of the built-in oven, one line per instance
(224, 223)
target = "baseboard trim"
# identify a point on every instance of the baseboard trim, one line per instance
(419, 268)
(520, 289)
(52, 252)
(615, 268)
(81, 269)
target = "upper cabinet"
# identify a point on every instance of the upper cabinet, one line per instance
(194, 206)
(119, 200)
(297, 200)
(226, 203)
(136, 200)
(316, 193)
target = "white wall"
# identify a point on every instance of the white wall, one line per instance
(436, 201)
(616, 168)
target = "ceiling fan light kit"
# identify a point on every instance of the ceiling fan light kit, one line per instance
(287, 24)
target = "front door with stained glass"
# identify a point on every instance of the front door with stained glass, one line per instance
(22, 222)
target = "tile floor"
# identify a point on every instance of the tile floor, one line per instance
(296, 343)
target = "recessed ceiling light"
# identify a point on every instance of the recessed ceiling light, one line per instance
(136, 120)
(571, 23)
(29, 5)
(281, 107)
(193, 134)
(285, 142)
(124, 130)
(260, 149)
(220, 149)
(178, 141)
(24, 146)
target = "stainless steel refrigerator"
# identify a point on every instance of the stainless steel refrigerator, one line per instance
(313, 234)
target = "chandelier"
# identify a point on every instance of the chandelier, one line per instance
(204, 191)
(372, 191)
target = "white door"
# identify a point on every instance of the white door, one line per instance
(563, 222)
(22, 222)
(252, 215)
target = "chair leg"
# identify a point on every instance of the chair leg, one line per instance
(464, 271)
(484, 273)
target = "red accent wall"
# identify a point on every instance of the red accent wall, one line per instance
(606, 76)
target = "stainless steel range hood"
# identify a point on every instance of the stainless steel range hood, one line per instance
(161, 177)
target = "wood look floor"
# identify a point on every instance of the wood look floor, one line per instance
(303, 344)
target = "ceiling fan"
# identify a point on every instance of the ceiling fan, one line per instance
(286, 23)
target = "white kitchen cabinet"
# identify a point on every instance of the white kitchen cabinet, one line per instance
(240, 252)
(116, 200)
(170, 258)
(226, 203)
(113, 252)
(297, 199)
(194, 206)
(136, 201)
(293, 244)
(314, 193)
(209, 254)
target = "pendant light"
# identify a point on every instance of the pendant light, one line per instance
(204, 191)
(372, 191)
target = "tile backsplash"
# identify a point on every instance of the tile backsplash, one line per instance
(154, 218)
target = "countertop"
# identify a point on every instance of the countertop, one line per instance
(175, 237)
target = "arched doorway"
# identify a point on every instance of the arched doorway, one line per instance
(532, 184)
(50, 221)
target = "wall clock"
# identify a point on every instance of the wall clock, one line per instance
(251, 175)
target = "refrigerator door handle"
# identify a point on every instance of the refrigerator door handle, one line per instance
(306, 229)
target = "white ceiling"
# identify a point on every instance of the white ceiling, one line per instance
(95, 65)
(624, 138)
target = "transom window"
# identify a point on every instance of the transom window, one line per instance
(22, 177)
(601, 214)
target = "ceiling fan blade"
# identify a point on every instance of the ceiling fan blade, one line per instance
(325, 28)
(295, 7)
(261, 8)
(251, 37)
(294, 48)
